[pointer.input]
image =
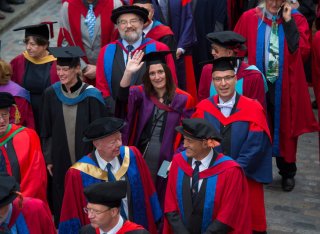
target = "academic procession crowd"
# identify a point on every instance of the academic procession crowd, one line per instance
(155, 116)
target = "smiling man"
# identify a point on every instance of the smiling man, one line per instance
(207, 192)
(113, 57)
(246, 138)
(109, 162)
(68, 108)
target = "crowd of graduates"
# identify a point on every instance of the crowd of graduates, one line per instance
(155, 116)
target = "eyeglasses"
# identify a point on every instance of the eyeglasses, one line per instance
(226, 79)
(4, 115)
(153, 74)
(124, 23)
(93, 211)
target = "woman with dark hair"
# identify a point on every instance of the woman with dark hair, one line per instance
(155, 108)
(35, 69)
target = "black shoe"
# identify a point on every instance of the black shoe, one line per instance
(314, 105)
(4, 6)
(288, 184)
(16, 2)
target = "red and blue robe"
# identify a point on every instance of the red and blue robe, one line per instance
(144, 208)
(223, 195)
(33, 217)
(246, 138)
(293, 115)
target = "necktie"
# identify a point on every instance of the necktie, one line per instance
(225, 105)
(129, 48)
(195, 181)
(90, 21)
(273, 62)
(111, 177)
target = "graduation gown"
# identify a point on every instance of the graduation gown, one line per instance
(22, 99)
(21, 150)
(90, 106)
(33, 217)
(250, 83)
(293, 115)
(26, 72)
(246, 138)
(140, 113)
(162, 33)
(223, 196)
(143, 204)
(128, 227)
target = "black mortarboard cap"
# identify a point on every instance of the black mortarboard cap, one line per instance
(156, 57)
(102, 127)
(8, 189)
(224, 63)
(142, 1)
(67, 56)
(6, 100)
(106, 193)
(199, 129)
(140, 11)
(44, 30)
(227, 39)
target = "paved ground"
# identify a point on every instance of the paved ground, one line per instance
(294, 212)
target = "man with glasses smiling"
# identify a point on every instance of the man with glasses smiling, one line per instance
(109, 162)
(246, 138)
(113, 57)
(103, 210)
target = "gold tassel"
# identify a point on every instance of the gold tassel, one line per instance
(20, 197)
(17, 115)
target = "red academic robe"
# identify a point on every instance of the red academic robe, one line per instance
(224, 190)
(24, 160)
(145, 209)
(106, 59)
(32, 217)
(296, 116)
(250, 146)
(316, 70)
(252, 86)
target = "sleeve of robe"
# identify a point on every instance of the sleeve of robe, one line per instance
(72, 214)
(32, 165)
(205, 82)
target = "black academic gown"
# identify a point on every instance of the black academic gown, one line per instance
(54, 138)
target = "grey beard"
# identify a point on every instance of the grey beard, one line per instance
(133, 37)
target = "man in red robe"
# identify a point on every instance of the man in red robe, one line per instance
(22, 214)
(110, 161)
(277, 24)
(103, 209)
(114, 56)
(246, 138)
(207, 192)
(20, 153)
(250, 83)
(75, 30)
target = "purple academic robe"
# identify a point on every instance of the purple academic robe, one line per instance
(140, 112)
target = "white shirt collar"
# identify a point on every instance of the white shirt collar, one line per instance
(135, 45)
(148, 28)
(103, 163)
(205, 162)
(116, 228)
(232, 100)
